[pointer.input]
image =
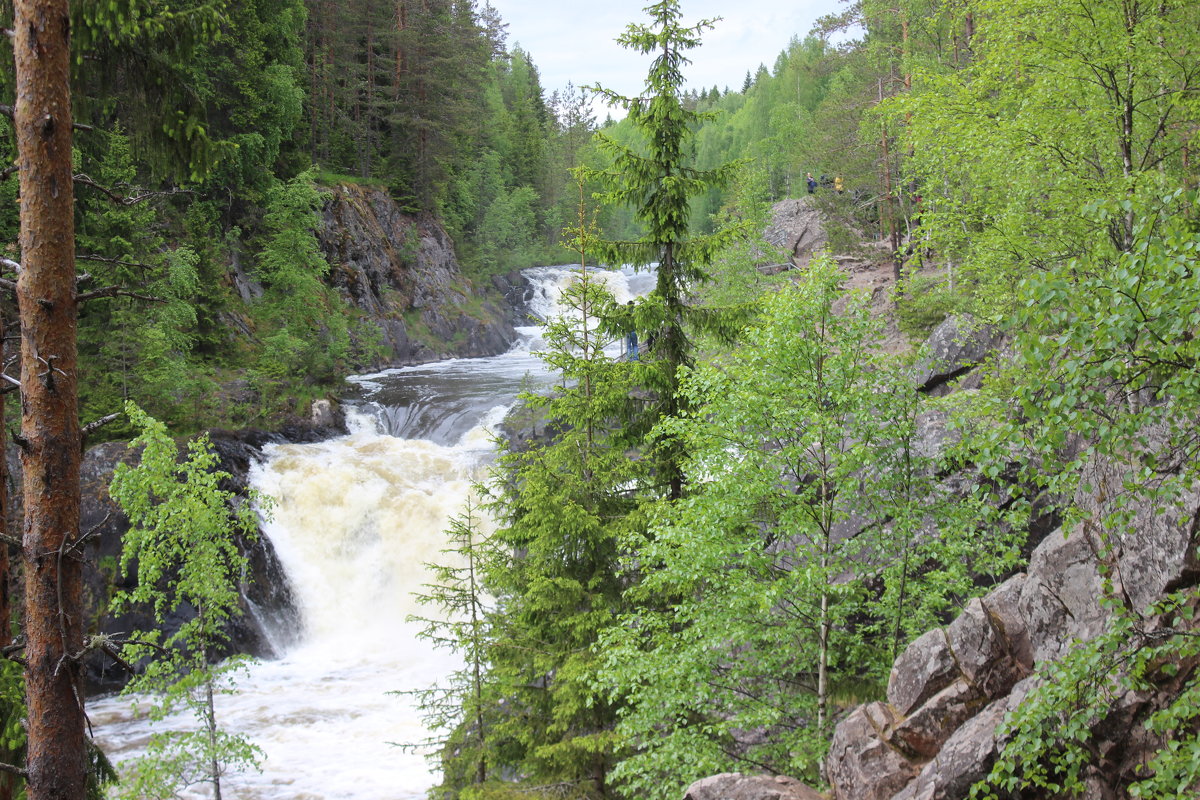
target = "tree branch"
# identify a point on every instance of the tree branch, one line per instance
(125, 200)
(115, 291)
(8, 110)
(96, 425)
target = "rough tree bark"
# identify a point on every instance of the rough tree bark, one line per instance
(50, 435)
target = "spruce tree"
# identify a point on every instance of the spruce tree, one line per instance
(658, 179)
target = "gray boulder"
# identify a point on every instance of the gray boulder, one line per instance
(956, 346)
(736, 786)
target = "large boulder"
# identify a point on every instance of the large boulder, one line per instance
(956, 346)
(861, 764)
(737, 786)
(796, 228)
(965, 758)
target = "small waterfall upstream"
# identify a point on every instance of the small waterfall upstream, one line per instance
(356, 520)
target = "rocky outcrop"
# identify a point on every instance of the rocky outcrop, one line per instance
(400, 270)
(936, 734)
(797, 229)
(736, 786)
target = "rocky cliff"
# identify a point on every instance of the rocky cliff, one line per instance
(938, 730)
(400, 270)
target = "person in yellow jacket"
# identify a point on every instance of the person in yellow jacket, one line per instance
(838, 186)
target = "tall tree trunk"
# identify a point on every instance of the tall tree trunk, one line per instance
(6, 781)
(50, 420)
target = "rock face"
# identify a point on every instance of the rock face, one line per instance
(400, 270)
(957, 345)
(796, 227)
(936, 734)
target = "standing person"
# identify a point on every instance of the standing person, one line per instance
(812, 183)
(631, 340)
(838, 186)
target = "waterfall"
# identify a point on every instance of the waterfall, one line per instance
(356, 520)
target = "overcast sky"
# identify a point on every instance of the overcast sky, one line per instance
(574, 40)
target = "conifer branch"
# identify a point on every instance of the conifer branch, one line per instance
(106, 260)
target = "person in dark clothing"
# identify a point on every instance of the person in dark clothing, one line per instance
(631, 339)
(812, 183)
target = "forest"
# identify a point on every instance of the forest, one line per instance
(727, 542)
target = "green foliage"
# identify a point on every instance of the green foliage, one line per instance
(799, 563)
(655, 177)
(182, 547)
(1106, 362)
(465, 705)
(1064, 104)
(561, 506)
(1049, 738)
(926, 301)
(305, 324)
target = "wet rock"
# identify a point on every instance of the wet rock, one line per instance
(861, 765)
(268, 602)
(736, 786)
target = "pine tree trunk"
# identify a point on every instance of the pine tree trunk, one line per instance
(49, 423)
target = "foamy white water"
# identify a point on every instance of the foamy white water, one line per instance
(356, 520)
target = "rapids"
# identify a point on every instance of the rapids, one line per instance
(356, 520)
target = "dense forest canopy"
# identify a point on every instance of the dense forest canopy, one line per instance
(729, 539)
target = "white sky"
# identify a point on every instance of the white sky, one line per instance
(574, 40)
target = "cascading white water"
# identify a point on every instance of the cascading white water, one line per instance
(356, 520)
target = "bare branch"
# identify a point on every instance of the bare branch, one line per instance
(96, 425)
(13, 265)
(126, 200)
(8, 110)
(11, 770)
(115, 291)
(106, 260)
(9, 170)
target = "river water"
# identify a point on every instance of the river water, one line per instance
(356, 520)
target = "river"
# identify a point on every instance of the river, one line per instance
(356, 520)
